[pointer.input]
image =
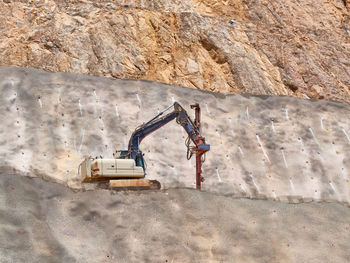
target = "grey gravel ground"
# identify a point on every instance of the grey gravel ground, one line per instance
(42, 221)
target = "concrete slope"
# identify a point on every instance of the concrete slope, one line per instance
(47, 222)
(261, 146)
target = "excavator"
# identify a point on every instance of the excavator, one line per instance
(127, 169)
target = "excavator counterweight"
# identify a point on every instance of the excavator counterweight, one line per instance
(127, 169)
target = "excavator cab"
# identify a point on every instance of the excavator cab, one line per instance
(124, 154)
(140, 161)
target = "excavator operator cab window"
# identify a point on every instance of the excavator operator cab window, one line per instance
(121, 154)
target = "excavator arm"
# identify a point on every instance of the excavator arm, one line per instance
(158, 121)
(193, 131)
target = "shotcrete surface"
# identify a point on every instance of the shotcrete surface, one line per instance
(47, 222)
(271, 147)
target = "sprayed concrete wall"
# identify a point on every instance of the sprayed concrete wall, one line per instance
(261, 146)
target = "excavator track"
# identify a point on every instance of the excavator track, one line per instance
(130, 184)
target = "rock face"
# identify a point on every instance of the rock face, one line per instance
(260, 47)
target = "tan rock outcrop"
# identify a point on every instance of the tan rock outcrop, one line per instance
(259, 47)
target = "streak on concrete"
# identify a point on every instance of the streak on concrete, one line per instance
(46, 139)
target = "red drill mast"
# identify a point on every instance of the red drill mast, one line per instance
(199, 150)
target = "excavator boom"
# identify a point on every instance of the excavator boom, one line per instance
(154, 124)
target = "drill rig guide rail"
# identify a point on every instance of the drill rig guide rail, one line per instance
(126, 171)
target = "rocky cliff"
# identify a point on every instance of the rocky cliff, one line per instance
(298, 48)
